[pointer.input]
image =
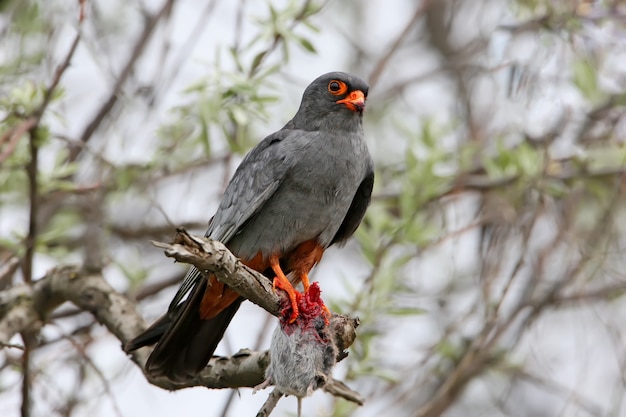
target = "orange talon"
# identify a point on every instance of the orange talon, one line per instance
(327, 314)
(305, 282)
(282, 282)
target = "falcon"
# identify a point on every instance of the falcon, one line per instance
(301, 190)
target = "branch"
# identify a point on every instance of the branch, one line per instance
(7, 269)
(27, 308)
(270, 403)
(138, 49)
(384, 61)
(14, 135)
(339, 389)
(210, 255)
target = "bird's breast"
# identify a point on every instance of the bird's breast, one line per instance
(310, 203)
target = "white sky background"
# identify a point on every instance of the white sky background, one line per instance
(569, 348)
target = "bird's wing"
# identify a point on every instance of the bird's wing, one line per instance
(357, 209)
(254, 182)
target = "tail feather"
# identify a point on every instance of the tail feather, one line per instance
(150, 336)
(186, 342)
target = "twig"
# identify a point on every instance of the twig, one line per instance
(278, 38)
(30, 125)
(24, 307)
(86, 359)
(257, 345)
(140, 46)
(7, 269)
(26, 406)
(185, 49)
(11, 346)
(210, 255)
(270, 403)
(32, 170)
(14, 136)
(455, 61)
(58, 74)
(382, 62)
(339, 389)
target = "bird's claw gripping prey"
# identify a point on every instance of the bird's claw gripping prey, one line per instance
(283, 283)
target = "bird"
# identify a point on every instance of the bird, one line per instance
(299, 191)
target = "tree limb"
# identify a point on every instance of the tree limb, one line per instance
(210, 255)
(28, 307)
(137, 51)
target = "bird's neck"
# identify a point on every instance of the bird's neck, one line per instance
(329, 122)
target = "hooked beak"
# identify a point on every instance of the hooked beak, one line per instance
(355, 101)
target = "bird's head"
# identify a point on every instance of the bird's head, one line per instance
(335, 100)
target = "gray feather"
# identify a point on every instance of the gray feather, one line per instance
(310, 180)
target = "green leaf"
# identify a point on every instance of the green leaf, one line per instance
(447, 350)
(529, 160)
(240, 116)
(586, 79)
(257, 61)
(273, 13)
(205, 136)
(307, 45)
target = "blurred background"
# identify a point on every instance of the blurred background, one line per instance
(488, 274)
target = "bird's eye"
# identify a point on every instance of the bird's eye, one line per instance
(337, 88)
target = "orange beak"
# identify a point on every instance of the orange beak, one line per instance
(355, 101)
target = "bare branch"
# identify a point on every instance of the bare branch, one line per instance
(384, 61)
(7, 269)
(12, 346)
(339, 389)
(139, 48)
(14, 136)
(25, 308)
(270, 403)
(210, 255)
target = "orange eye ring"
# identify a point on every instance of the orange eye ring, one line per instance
(337, 88)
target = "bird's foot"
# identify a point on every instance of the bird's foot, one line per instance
(282, 282)
(285, 285)
(327, 314)
(305, 282)
(262, 385)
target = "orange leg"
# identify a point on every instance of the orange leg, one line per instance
(303, 259)
(282, 282)
(305, 282)
(327, 314)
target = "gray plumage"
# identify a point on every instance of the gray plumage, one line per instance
(310, 180)
(304, 177)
